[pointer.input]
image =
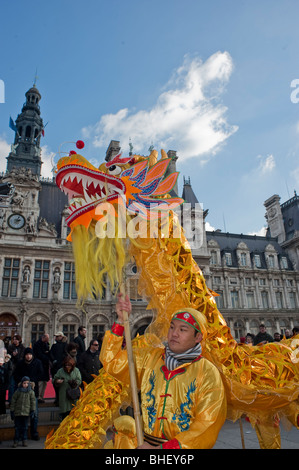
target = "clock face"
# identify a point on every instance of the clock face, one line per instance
(16, 221)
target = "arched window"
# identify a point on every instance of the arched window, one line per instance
(37, 330)
(239, 329)
(98, 330)
(283, 326)
(28, 133)
(141, 326)
(254, 327)
(8, 325)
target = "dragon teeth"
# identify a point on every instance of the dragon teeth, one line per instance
(102, 189)
(86, 196)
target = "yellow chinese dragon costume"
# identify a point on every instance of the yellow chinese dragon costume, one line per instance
(261, 382)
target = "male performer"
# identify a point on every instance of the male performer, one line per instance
(183, 400)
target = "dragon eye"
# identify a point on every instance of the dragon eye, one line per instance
(114, 170)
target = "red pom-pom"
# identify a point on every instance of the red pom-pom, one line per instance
(72, 152)
(80, 144)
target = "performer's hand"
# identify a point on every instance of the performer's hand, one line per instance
(146, 445)
(123, 304)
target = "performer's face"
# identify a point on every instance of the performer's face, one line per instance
(182, 336)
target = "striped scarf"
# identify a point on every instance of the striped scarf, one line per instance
(173, 360)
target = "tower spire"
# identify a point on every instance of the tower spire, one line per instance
(26, 151)
(35, 78)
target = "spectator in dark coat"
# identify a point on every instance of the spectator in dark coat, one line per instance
(32, 368)
(57, 355)
(57, 352)
(295, 330)
(262, 337)
(23, 406)
(6, 341)
(5, 374)
(41, 351)
(16, 351)
(80, 340)
(89, 363)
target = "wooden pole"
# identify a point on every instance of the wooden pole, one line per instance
(133, 380)
(242, 434)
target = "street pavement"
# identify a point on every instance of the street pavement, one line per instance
(229, 438)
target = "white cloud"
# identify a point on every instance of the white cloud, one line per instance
(209, 227)
(4, 151)
(47, 159)
(188, 115)
(260, 233)
(267, 164)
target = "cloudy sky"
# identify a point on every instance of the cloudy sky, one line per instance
(216, 81)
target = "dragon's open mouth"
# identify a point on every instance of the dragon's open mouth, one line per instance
(86, 188)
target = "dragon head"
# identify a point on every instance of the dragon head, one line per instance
(138, 184)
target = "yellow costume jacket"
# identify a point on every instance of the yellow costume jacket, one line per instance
(185, 407)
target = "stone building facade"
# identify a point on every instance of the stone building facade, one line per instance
(256, 283)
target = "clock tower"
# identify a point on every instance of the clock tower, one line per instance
(21, 207)
(20, 211)
(26, 151)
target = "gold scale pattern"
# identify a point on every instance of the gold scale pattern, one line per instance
(261, 382)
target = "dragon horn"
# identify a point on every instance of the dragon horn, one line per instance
(163, 154)
(153, 158)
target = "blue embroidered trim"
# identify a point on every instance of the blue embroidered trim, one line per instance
(182, 417)
(152, 401)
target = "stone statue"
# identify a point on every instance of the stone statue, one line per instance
(30, 228)
(56, 276)
(26, 274)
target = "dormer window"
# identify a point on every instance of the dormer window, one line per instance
(284, 263)
(271, 261)
(213, 259)
(228, 259)
(243, 259)
(257, 261)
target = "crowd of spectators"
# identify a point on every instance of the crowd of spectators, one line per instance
(26, 371)
(263, 337)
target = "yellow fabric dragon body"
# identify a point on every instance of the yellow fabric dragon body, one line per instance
(261, 382)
